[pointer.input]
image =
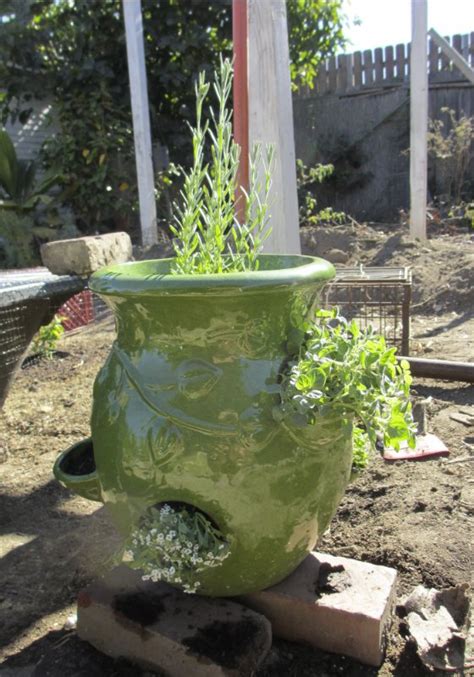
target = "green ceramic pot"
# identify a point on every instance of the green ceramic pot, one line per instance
(183, 412)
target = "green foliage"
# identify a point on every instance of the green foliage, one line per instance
(307, 178)
(28, 213)
(343, 370)
(209, 239)
(173, 544)
(74, 50)
(18, 188)
(316, 30)
(46, 339)
(17, 240)
(454, 149)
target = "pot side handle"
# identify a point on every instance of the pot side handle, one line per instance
(75, 469)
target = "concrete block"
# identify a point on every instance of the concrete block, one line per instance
(85, 255)
(163, 629)
(332, 603)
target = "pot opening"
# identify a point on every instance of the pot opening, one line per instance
(79, 460)
(178, 506)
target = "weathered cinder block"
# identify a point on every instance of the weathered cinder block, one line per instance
(85, 255)
(164, 629)
(332, 603)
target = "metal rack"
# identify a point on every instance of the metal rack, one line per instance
(378, 297)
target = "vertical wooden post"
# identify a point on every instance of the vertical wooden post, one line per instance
(271, 116)
(418, 120)
(141, 119)
(241, 105)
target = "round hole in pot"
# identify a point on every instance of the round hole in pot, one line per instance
(79, 460)
(181, 505)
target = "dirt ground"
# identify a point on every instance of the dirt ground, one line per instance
(416, 517)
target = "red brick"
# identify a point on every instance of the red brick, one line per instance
(332, 603)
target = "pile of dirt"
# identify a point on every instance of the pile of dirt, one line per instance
(442, 267)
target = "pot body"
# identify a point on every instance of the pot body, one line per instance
(183, 411)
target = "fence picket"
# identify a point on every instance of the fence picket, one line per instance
(342, 73)
(368, 67)
(332, 74)
(400, 56)
(378, 63)
(457, 43)
(445, 62)
(433, 57)
(389, 63)
(357, 69)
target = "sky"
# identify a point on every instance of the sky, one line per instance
(388, 22)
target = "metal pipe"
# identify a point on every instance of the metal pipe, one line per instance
(443, 369)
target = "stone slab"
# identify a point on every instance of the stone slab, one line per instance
(336, 604)
(84, 255)
(163, 629)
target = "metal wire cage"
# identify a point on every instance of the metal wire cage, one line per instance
(376, 297)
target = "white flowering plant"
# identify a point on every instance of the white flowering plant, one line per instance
(173, 544)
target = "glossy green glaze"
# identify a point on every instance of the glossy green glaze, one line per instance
(183, 412)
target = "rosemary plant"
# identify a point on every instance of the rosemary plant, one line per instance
(208, 236)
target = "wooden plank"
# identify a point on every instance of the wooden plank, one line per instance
(241, 104)
(445, 62)
(141, 120)
(453, 55)
(456, 42)
(357, 69)
(342, 73)
(349, 72)
(465, 47)
(368, 68)
(433, 57)
(378, 65)
(271, 117)
(332, 74)
(320, 84)
(400, 59)
(418, 120)
(389, 63)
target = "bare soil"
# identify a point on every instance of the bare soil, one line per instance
(416, 517)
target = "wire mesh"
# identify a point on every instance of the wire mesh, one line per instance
(377, 298)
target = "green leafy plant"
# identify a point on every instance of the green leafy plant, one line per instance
(343, 370)
(173, 544)
(209, 239)
(46, 339)
(72, 53)
(21, 198)
(19, 189)
(306, 179)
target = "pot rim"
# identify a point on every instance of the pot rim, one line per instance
(152, 277)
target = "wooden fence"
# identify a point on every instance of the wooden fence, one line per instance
(357, 118)
(388, 67)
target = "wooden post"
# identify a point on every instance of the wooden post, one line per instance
(141, 119)
(240, 96)
(418, 120)
(271, 116)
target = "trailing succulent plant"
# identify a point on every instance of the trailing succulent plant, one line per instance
(341, 369)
